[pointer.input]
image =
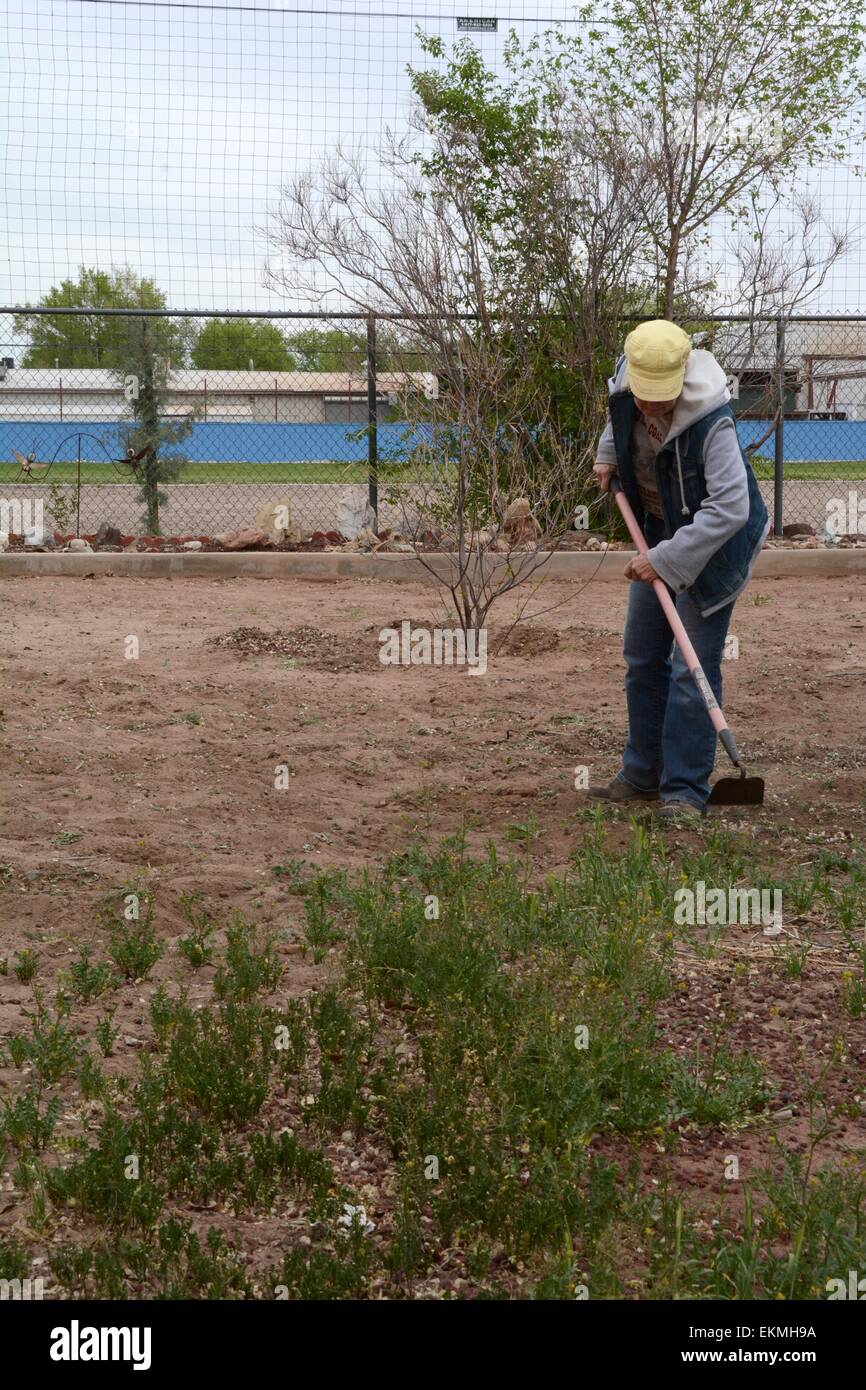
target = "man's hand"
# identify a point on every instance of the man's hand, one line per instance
(603, 472)
(640, 568)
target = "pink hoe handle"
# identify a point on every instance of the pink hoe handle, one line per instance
(682, 638)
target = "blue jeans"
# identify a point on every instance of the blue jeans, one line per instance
(671, 740)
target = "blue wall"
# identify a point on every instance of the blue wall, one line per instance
(811, 440)
(815, 440)
(224, 443)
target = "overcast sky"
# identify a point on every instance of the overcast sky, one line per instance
(157, 135)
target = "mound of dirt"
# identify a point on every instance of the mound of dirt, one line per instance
(326, 651)
(321, 651)
(527, 641)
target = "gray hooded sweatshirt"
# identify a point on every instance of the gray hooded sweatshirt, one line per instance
(725, 509)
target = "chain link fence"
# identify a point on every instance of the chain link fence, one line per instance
(197, 427)
(799, 395)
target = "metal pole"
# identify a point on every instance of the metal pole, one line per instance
(779, 459)
(78, 493)
(372, 437)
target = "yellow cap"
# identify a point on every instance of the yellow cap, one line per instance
(656, 354)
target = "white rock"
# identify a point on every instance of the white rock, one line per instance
(4, 540)
(192, 545)
(78, 546)
(354, 513)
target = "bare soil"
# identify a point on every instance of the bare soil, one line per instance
(163, 767)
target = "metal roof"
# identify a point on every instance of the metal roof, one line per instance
(193, 380)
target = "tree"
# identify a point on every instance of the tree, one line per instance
(478, 469)
(488, 212)
(153, 437)
(329, 349)
(565, 254)
(345, 349)
(705, 108)
(238, 344)
(416, 250)
(608, 157)
(94, 339)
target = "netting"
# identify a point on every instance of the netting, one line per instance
(147, 145)
(119, 434)
(330, 408)
(156, 135)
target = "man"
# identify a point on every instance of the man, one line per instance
(671, 439)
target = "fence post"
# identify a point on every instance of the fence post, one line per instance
(779, 456)
(372, 439)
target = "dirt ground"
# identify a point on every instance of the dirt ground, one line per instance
(163, 767)
(167, 762)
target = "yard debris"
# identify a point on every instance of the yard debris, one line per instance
(527, 640)
(327, 538)
(107, 535)
(522, 535)
(247, 538)
(366, 539)
(322, 651)
(518, 524)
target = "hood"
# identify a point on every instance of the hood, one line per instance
(704, 388)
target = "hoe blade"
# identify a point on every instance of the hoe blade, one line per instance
(737, 791)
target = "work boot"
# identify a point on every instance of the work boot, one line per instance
(679, 813)
(621, 791)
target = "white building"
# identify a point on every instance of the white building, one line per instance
(825, 365)
(97, 394)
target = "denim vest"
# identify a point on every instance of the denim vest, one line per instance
(682, 488)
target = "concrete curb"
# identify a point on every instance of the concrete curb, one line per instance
(326, 566)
